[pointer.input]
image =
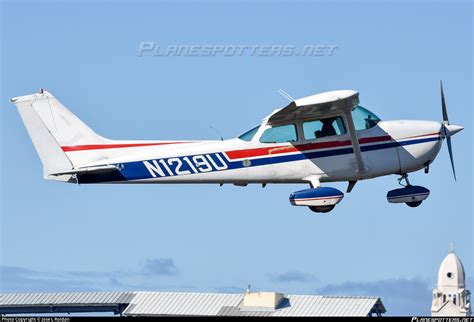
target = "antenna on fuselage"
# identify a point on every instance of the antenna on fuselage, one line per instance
(285, 95)
(218, 133)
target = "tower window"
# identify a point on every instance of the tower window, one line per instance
(450, 275)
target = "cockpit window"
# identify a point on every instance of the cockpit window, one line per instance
(248, 136)
(280, 134)
(324, 127)
(363, 118)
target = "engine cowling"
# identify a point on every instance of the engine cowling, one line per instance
(317, 197)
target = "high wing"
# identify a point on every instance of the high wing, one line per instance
(321, 105)
(324, 104)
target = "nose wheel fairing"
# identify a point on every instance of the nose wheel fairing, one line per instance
(412, 196)
(409, 194)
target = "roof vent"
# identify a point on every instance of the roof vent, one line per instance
(261, 301)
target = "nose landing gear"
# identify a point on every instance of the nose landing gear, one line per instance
(412, 196)
(404, 177)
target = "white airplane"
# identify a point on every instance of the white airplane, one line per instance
(326, 137)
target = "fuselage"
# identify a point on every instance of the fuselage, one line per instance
(389, 147)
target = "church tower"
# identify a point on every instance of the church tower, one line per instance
(451, 298)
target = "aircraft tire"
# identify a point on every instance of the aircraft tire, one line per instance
(320, 209)
(413, 204)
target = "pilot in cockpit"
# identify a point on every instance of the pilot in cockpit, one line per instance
(327, 129)
(369, 122)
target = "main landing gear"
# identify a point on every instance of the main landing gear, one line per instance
(320, 199)
(412, 196)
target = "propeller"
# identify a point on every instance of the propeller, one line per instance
(448, 129)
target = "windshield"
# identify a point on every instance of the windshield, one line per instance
(363, 118)
(248, 136)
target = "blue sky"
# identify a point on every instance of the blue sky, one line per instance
(60, 237)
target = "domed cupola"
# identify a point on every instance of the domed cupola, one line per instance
(451, 298)
(451, 272)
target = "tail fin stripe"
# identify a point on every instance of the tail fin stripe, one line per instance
(73, 148)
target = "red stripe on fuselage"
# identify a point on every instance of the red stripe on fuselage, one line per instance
(418, 136)
(237, 154)
(73, 148)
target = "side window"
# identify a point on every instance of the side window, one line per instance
(248, 136)
(280, 134)
(324, 127)
(363, 118)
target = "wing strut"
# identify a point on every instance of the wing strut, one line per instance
(355, 142)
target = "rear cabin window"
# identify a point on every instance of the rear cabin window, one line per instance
(248, 136)
(280, 134)
(323, 128)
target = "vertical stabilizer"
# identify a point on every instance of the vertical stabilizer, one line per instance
(51, 126)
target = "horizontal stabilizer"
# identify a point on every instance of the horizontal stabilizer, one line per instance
(98, 169)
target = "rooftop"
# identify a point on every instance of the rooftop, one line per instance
(180, 303)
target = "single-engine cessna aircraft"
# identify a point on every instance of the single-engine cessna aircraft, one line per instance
(326, 137)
